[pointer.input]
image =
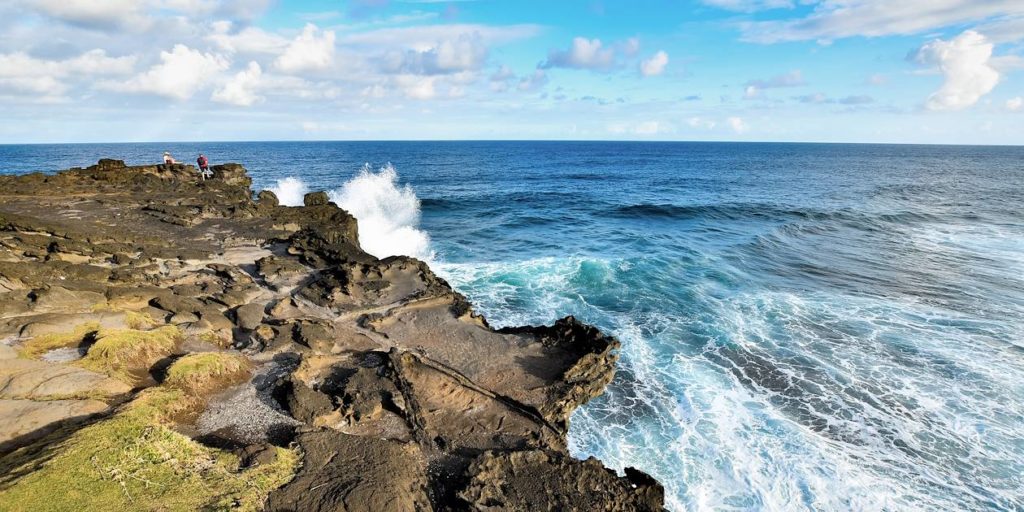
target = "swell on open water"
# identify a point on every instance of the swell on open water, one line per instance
(804, 326)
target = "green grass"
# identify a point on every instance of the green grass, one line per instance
(201, 372)
(127, 354)
(39, 345)
(135, 461)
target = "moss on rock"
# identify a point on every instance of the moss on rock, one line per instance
(39, 345)
(128, 354)
(201, 372)
(135, 461)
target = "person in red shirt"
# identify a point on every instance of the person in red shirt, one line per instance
(204, 165)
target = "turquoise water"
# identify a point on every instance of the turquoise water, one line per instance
(804, 327)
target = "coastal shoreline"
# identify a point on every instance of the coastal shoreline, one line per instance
(265, 346)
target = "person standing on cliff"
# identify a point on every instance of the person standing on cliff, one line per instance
(204, 165)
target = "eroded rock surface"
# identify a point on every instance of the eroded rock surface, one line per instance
(397, 394)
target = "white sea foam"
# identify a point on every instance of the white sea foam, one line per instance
(775, 401)
(389, 214)
(289, 191)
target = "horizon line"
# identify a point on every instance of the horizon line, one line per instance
(644, 141)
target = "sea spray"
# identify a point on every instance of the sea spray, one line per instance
(289, 191)
(388, 214)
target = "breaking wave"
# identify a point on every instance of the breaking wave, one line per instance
(388, 213)
(289, 191)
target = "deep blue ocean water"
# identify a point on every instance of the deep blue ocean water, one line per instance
(804, 326)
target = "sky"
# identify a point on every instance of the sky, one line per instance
(913, 71)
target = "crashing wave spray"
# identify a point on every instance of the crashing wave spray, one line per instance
(388, 214)
(289, 191)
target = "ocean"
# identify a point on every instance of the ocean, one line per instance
(804, 326)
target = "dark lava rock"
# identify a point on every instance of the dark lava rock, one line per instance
(342, 472)
(267, 198)
(539, 480)
(316, 198)
(249, 316)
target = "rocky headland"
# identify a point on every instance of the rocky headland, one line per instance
(170, 343)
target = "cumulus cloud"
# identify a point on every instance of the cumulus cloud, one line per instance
(241, 89)
(964, 62)
(250, 40)
(836, 19)
(582, 54)
(312, 50)
(21, 73)
(654, 65)
(1015, 104)
(180, 74)
(463, 53)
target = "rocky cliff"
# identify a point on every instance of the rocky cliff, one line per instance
(169, 343)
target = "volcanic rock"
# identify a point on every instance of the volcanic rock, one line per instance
(370, 382)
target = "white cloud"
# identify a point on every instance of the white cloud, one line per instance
(423, 37)
(312, 50)
(654, 65)
(417, 87)
(241, 89)
(23, 74)
(738, 125)
(582, 54)
(463, 53)
(1015, 104)
(836, 19)
(964, 62)
(250, 40)
(1004, 30)
(95, 14)
(180, 73)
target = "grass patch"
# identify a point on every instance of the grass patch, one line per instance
(127, 354)
(139, 320)
(201, 372)
(134, 461)
(39, 345)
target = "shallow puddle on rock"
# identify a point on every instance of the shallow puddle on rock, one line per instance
(64, 355)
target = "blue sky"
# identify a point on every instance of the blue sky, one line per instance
(916, 71)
